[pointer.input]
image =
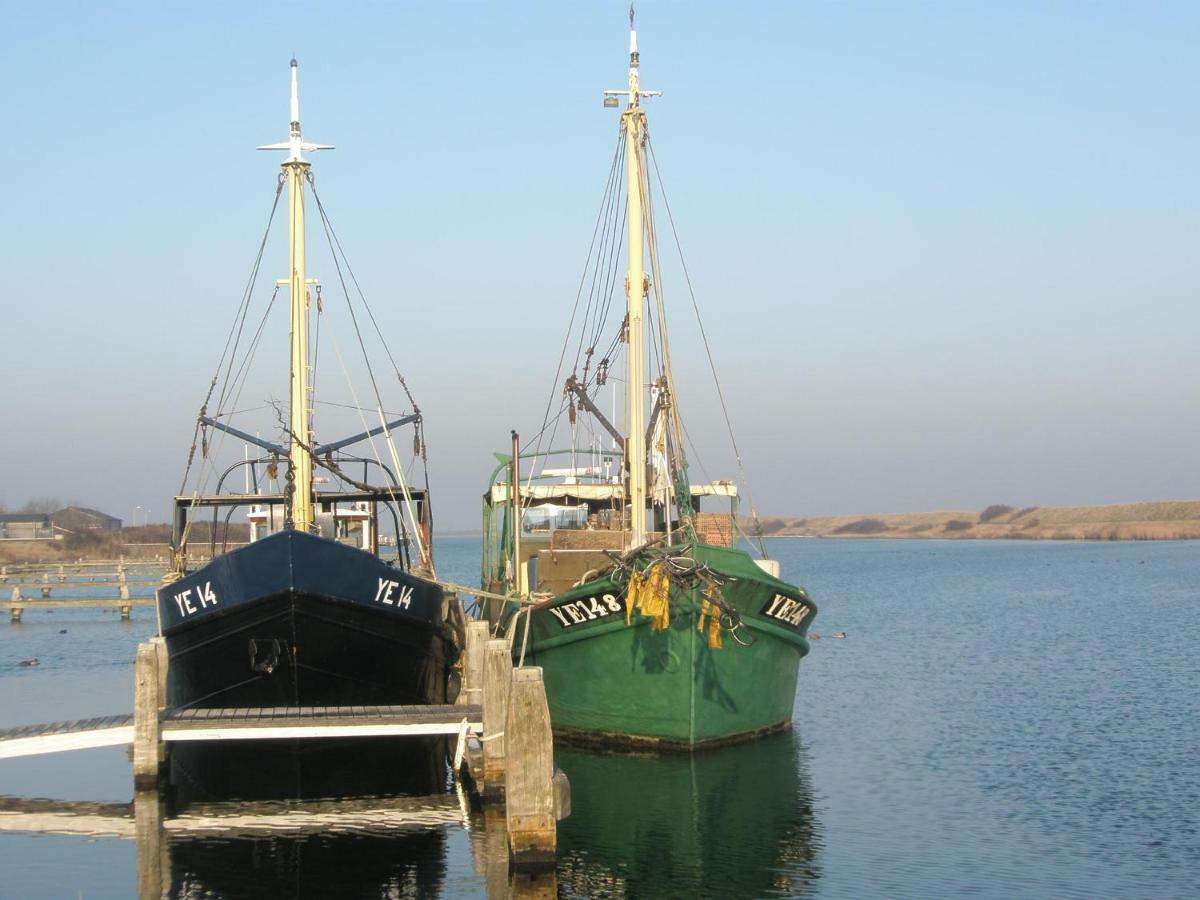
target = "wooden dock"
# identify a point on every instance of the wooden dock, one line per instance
(62, 591)
(292, 722)
(55, 737)
(504, 747)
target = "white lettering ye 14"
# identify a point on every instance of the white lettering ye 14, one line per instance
(204, 596)
(384, 594)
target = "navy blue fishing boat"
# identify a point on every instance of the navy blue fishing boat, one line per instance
(333, 600)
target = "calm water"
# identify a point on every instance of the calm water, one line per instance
(1003, 719)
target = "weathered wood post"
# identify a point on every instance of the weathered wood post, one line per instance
(529, 774)
(45, 584)
(62, 574)
(472, 689)
(3, 573)
(126, 608)
(153, 858)
(14, 611)
(497, 682)
(160, 650)
(146, 705)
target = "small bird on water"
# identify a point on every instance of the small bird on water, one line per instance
(28, 662)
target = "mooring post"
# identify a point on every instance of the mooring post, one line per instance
(472, 690)
(529, 773)
(497, 682)
(14, 610)
(160, 650)
(126, 609)
(62, 574)
(146, 706)
(3, 573)
(153, 859)
(45, 584)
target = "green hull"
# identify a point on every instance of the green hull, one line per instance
(610, 682)
(692, 810)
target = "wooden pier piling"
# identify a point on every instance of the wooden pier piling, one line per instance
(529, 780)
(472, 688)
(148, 702)
(497, 683)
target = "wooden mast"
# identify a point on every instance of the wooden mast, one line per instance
(295, 169)
(633, 124)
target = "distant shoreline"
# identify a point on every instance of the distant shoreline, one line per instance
(1174, 520)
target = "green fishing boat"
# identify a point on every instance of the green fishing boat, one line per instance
(650, 624)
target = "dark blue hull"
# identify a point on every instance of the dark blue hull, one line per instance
(299, 620)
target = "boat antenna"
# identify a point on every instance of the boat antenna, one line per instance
(295, 144)
(634, 93)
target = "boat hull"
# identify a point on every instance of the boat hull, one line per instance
(298, 620)
(615, 683)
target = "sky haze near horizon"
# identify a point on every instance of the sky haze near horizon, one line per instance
(947, 253)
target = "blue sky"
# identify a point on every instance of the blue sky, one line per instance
(948, 251)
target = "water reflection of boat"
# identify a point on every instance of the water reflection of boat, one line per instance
(364, 849)
(737, 821)
(372, 847)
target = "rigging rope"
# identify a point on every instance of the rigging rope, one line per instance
(708, 350)
(234, 337)
(423, 549)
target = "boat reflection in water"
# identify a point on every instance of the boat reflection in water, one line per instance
(339, 848)
(281, 836)
(732, 821)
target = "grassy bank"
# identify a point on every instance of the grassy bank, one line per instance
(1173, 520)
(142, 542)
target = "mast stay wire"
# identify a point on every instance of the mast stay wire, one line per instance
(424, 551)
(239, 321)
(207, 468)
(555, 388)
(419, 424)
(708, 351)
(673, 452)
(605, 278)
(607, 257)
(249, 290)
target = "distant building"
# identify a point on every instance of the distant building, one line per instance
(26, 527)
(80, 518)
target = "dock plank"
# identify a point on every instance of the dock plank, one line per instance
(317, 722)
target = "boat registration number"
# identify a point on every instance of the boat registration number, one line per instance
(587, 610)
(786, 609)
(195, 599)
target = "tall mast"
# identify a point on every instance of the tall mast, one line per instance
(633, 124)
(295, 169)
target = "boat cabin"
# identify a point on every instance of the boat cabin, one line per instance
(349, 517)
(569, 528)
